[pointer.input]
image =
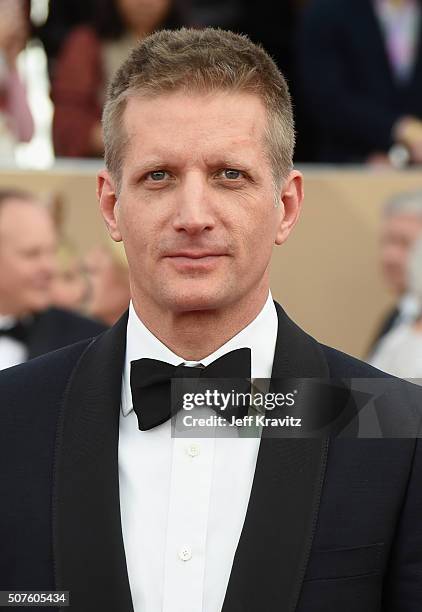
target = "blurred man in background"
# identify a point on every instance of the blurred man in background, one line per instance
(28, 242)
(361, 77)
(401, 227)
(399, 352)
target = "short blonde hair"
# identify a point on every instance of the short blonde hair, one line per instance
(201, 61)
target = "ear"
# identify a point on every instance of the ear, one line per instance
(109, 205)
(291, 199)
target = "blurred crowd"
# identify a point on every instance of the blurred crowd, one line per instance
(354, 68)
(50, 296)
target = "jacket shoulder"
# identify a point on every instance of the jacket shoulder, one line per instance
(31, 397)
(342, 365)
(56, 328)
(74, 320)
(41, 381)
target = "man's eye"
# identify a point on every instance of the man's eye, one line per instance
(231, 174)
(158, 175)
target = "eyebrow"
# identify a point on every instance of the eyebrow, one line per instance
(230, 162)
(149, 163)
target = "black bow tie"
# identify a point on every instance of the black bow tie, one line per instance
(20, 331)
(150, 382)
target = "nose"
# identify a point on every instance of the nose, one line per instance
(194, 211)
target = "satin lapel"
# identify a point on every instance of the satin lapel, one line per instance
(276, 539)
(88, 544)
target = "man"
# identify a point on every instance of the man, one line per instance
(199, 186)
(28, 327)
(401, 227)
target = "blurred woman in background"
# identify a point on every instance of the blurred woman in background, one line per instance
(69, 289)
(88, 60)
(108, 281)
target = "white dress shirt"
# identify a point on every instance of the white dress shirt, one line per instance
(409, 310)
(12, 352)
(183, 501)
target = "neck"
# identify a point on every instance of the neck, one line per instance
(196, 334)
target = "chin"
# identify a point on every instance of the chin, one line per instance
(206, 300)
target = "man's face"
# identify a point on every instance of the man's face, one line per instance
(398, 234)
(196, 208)
(27, 257)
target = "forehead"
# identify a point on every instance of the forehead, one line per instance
(191, 126)
(22, 221)
(14, 209)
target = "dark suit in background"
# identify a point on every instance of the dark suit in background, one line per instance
(46, 331)
(56, 327)
(331, 525)
(347, 85)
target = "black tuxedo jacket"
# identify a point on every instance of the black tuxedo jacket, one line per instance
(56, 327)
(348, 87)
(331, 524)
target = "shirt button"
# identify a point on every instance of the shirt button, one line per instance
(193, 450)
(185, 553)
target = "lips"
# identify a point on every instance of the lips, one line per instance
(195, 261)
(195, 254)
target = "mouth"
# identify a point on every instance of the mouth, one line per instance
(191, 254)
(195, 260)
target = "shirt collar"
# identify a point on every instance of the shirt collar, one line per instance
(7, 321)
(260, 336)
(409, 306)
